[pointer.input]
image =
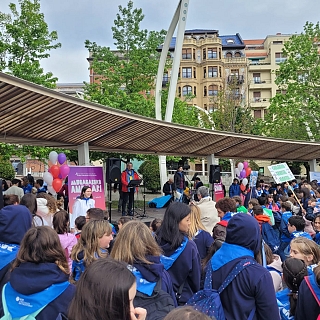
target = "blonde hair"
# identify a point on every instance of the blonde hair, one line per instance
(89, 241)
(134, 242)
(307, 247)
(195, 220)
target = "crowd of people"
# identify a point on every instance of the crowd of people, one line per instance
(252, 255)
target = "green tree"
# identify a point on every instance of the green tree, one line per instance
(230, 112)
(151, 174)
(24, 40)
(127, 75)
(6, 169)
(294, 113)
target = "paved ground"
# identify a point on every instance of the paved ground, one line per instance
(150, 213)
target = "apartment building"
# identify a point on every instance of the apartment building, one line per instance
(264, 57)
(209, 63)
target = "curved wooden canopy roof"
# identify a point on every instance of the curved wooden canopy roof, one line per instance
(34, 115)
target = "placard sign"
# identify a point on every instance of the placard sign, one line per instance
(253, 178)
(281, 173)
(80, 176)
(315, 176)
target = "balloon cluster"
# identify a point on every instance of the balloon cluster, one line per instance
(243, 171)
(58, 170)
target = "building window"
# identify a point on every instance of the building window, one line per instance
(194, 54)
(195, 90)
(220, 74)
(237, 54)
(179, 92)
(257, 114)
(186, 72)
(186, 90)
(204, 72)
(235, 72)
(186, 54)
(205, 91)
(257, 96)
(205, 107)
(212, 72)
(213, 90)
(256, 77)
(229, 55)
(211, 108)
(280, 57)
(212, 53)
(277, 42)
(195, 73)
(204, 54)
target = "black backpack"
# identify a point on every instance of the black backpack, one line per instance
(158, 305)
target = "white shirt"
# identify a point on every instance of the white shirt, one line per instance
(80, 208)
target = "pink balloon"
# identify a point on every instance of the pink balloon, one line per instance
(64, 170)
(245, 164)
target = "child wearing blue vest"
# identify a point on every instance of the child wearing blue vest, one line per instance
(294, 271)
(180, 255)
(95, 239)
(308, 304)
(39, 278)
(15, 221)
(296, 225)
(136, 246)
(306, 250)
(285, 237)
(198, 233)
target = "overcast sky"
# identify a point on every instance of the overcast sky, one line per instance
(78, 20)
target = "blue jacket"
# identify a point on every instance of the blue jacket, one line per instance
(307, 306)
(285, 235)
(234, 190)
(30, 278)
(15, 221)
(185, 270)
(203, 240)
(296, 234)
(27, 188)
(155, 271)
(253, 287)
(317, 238)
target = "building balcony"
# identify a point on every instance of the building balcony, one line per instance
(259, 65)
(235, 79)
(260, 102)
(233, 60)
(260, 84)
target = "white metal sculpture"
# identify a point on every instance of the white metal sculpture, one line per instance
(180, 19)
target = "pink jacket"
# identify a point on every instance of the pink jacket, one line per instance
(68, 240)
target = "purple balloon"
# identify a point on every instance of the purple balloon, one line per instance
(64, 171)
(243, 173)
(62, 158)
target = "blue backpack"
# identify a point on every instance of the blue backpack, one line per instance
(208, 300)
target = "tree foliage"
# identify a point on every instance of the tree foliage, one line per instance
(294, 113)
(25, 39)
(127, 75)
(230, 112)
(151, 174)
(6, 169)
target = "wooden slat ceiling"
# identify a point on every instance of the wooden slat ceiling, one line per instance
(31, 114)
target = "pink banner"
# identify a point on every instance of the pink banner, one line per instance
(218, 191)
(86, 176)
